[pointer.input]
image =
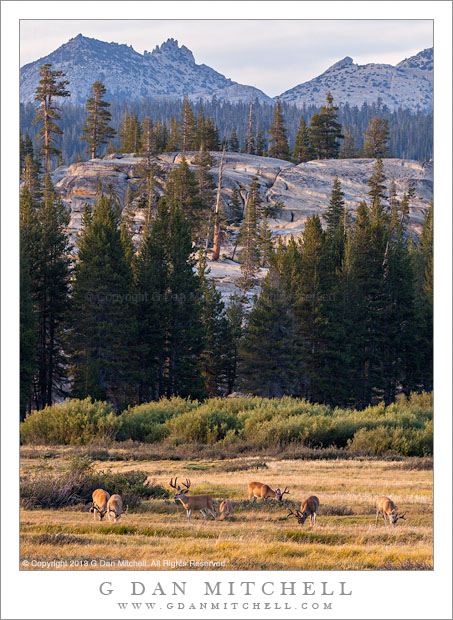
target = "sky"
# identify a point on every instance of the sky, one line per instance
(272, 55)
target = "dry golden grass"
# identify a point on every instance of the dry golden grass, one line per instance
(257, 536)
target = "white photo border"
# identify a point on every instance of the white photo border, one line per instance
(407, 594)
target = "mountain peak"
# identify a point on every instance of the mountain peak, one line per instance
(170, 49)
(347, 60)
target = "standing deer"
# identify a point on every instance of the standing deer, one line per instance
(115, 508)
(388, 510)
(100, 501)
(258, 489)
(202, 503)
(226, 508)
(308, 508)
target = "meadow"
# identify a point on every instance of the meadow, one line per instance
(257, 536)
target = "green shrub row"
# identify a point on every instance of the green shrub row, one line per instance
(404, 427)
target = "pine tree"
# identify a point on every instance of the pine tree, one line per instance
(367, 305)
(26, 148)
(130, 133)
(174, 138)
(96, 130)
(335, 218)
(261, 146)
(303, 150)
(423, 265)
(312, 285)
(376, 138)
(377, 188)
(152, 271)
(31, 179)
(185, 328)
(268, 352)
(265, 243)
(235, 208)
(188, 127)
(325, 131)
(29, 239)
(149, 146)
(216, 357)
(278, 142)
(234, 142)
(235, 317)
(249, 256)
(348, 150)
(212, 135)
(101, 338)
(206, 186)
(50, 87)
(51, 270)
(182, 190)
(334, 215)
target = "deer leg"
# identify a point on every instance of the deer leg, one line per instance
(189, 514)
(203, 512)
(377, 517)
(213, 512)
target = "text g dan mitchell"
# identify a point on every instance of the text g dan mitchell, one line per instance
(227, 589)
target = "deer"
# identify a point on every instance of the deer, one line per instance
(258, 489)
(308, 508)
(202, 503)
(388, 510)
(100, 501)
(226, 508)
(115, 508)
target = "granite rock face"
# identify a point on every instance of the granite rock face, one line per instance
(304, 189)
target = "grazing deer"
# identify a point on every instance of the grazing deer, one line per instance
(115, 508)
(308, 508)
(258, 489)
(226, 508)
(100, 501)
(202, 503)
(388, 510)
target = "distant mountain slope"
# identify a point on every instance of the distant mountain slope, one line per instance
(408, 85)
(168, 71)
(422, 64)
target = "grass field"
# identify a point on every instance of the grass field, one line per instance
(256, 536)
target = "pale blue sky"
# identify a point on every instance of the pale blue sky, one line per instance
(271, 55)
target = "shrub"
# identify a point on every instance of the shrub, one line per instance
(74, 422)
(384, 439)
(50, 490)
(205, 424)
(147, 422)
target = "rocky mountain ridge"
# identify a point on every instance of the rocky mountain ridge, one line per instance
(170, 71)
(407, 85)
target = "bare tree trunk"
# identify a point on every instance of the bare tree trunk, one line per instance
(216, 249)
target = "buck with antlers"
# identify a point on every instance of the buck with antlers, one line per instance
(388, 510)
(115, 508)
(258, 489)
(100, 501)
(308, 508)
(203, 503)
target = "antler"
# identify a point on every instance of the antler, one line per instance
(402, 516)
(296, 514)
(285, 491)
(173, 484)
(187, 483)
